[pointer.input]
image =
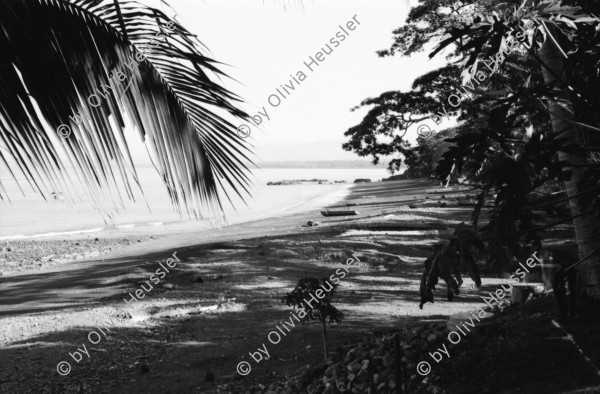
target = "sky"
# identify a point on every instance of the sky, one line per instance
(264, 43)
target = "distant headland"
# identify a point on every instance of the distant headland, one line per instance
(342, 164)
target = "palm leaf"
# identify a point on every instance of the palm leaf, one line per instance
(57, 53)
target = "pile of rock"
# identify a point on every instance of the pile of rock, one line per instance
(370, 366)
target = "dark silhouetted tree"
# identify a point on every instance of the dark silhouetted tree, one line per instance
(304, 296)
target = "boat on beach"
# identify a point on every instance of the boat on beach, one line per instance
(339, 213)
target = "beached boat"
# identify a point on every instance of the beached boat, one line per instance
(339, 213)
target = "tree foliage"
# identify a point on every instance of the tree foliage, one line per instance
(304, 296)
(509, 144)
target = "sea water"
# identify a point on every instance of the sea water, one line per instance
(30, 216)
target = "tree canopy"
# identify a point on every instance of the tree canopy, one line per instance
(522, 80)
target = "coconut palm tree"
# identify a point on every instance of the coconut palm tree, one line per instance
(73, 71)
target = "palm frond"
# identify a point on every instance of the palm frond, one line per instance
(82, 64)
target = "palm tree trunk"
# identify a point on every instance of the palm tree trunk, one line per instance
(588, 273)
(324, 337)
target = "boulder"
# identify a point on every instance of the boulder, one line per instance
(354, 367)
(388, 360)
(365, 365)
(350, 356)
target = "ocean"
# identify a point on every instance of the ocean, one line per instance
(30, 216)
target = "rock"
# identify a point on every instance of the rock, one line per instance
(218, 277)
(441, 332)
(384, 374)
(392, 382)
(329, 388)
(123, 314)
(209, 376)
(355, 366)
(377, 361)
(350, 356)
(431, 338)
(304, 371)
(362, 376)
(196, 278)
(365, 365)
(388, 360)
(168, 286)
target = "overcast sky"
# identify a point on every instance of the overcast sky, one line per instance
(264, 43)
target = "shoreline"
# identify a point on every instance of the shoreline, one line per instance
(177, 226)
(123, 253)
(41, 251)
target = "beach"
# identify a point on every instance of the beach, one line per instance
(37, 233)
(153, 213)
(216, 304)
(245, 269)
